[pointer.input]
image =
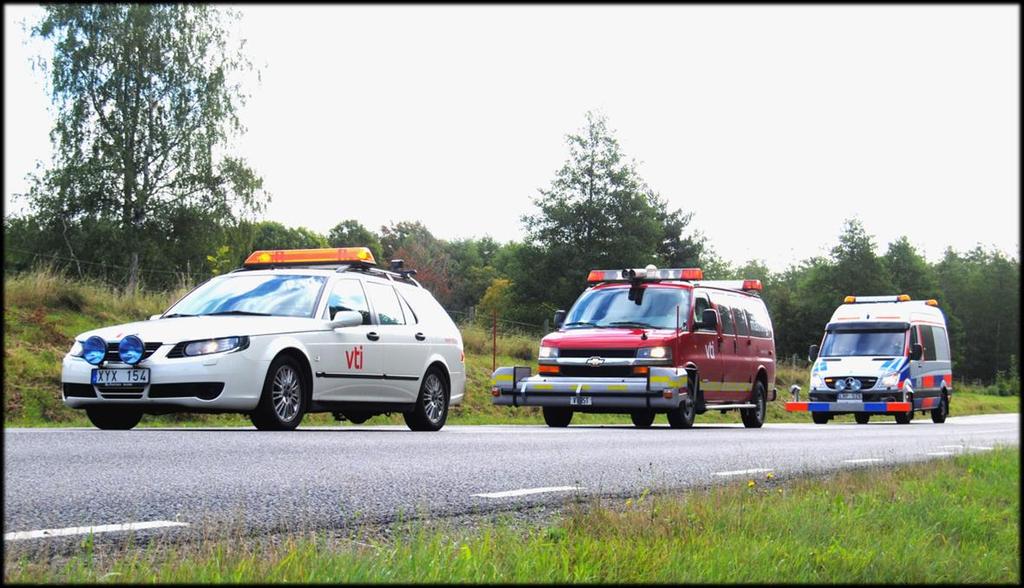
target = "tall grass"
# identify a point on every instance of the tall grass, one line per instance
(948, 521)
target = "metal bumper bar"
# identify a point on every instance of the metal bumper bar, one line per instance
(662, 389)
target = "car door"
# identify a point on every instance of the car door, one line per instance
(729, 348)
(347, 360)
(704, 348)
(932, 369)
(403, 346)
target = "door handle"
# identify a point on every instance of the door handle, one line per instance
(372, 336)
(421, 337)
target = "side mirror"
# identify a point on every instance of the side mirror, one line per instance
(812, 353)
(916, 351)
(346, 318)
(559, 318)
(709, 319)
(155, 316)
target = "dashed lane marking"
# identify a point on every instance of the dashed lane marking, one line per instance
(526, 491)
(43, 533)
(742, 472)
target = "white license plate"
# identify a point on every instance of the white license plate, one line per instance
(580, 401)
(849, 397)
(120, 377)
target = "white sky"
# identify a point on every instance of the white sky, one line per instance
(771, 123)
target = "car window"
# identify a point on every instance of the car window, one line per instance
(742, 326)
(726, 313)
(410, 315)
(385, 304)
(928, 340)
(941, 344)
(700, 304)
(253, 294)
(347, 295)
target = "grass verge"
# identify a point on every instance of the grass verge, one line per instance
(945, 521)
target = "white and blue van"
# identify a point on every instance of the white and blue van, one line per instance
(881, 355)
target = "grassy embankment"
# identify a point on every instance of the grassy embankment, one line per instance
(946, 521)
(43, 312)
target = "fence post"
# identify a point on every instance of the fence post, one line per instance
(494, 340)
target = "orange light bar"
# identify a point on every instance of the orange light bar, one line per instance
(903, 298)
(691, 273)
(931, 302)
(595, 276)
(547, 369)
(641, 370)
(849, 300)
(325, 255)
(752, 285)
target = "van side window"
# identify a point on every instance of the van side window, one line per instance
(700, 304)
(941, 344)
(913, 336)
(410, 316)
(385, 304)
(764, 322)
(347, 295)
(741, 323)
(726, 313)
(928, 340)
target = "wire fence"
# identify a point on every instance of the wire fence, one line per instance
(114, 275)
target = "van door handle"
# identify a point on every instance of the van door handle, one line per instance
(372, 336)
(421, 337)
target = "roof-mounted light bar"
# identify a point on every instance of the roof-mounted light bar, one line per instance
(745, 285)
(311, 256)
(866, 299)
(649, 274)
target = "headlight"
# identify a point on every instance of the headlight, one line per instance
(130, 349)
(76, 349)
(94, 350)
(654, 353)
(817, 382)
(892, 380)
(548, 352)
(221, 345)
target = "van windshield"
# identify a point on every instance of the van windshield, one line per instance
(611, 307)
(845, 343)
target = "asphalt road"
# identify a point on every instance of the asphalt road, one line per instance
(332, 477)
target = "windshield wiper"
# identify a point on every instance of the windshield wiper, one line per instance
(631, 324)
(176, 315)
(239, 312)
(579, 324)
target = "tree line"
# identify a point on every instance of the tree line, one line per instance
(143, 192)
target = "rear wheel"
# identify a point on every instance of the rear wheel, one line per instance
(283, 402)
(431, 410)
(904, 418)
(642, 419)
(113, 418)
(819, 418)
(753, 418)
(940, 412)
(557, 416)
(862, 418)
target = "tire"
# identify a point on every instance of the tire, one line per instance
(431, 409)
(283, 401)
(682, 417)
(904, 418)
(110, 418)
(862, 418)
(557, 416)
(940, 412)
(820, 418)
(642, 419)
(753, 418)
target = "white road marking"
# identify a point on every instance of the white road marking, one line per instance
(979, 447)
(17, 535)
(527, 491)
(864, 460)
(741, 472)
(950, 446)
(939, 453)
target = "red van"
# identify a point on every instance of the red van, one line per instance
(649, 341)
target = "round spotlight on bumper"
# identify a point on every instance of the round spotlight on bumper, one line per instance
(130, 349)
(94, 350)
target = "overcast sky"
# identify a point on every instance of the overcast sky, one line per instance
(771, 123)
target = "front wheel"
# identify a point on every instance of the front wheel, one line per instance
(283, 401)
(819, 418)
(642, 419)
(682, 417)
(862, 418)
(113, 418)
(557, 416)
(431, 409)
(940, 412)
(904, 418)
(753, 418)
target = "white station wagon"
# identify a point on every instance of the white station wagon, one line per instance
(291, 332)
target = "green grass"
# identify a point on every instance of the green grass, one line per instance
(43, 311)
(943, 521)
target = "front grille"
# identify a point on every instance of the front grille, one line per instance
(865, 383)
(79, 390)
(176, 351)
(597, 353)
(605, 371)
(120, 393)
(147, 350)
(203, 390)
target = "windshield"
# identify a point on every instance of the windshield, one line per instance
(247, 294)
(611, 307)
(842, 343)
